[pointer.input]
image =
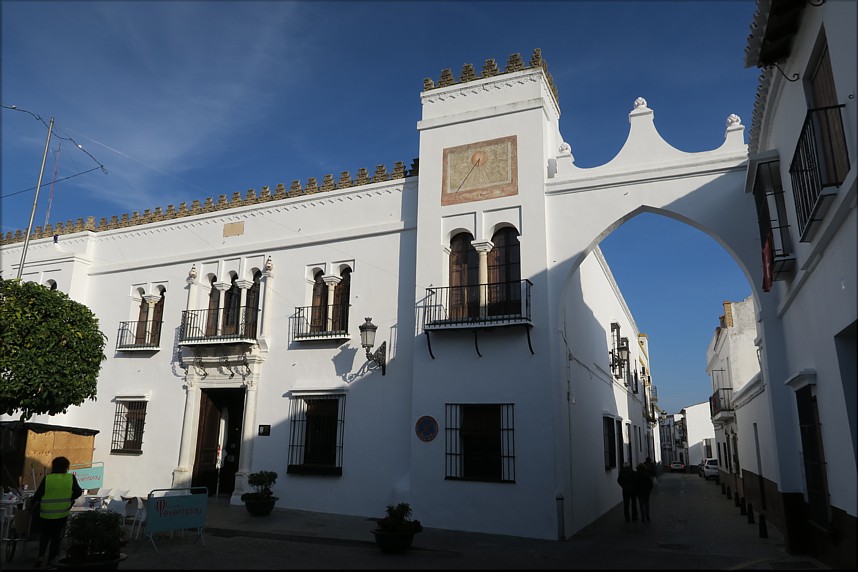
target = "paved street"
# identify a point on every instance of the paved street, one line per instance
(694, 526)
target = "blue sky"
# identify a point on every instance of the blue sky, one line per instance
(187, 100)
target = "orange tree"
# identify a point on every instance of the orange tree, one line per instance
(50, 350)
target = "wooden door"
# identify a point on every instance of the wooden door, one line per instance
(205, 463)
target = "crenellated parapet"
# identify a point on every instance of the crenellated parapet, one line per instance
(209, 205)
(490, 69)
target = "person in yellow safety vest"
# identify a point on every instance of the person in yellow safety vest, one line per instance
(54, 498)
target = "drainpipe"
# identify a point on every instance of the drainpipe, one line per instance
(561, 523)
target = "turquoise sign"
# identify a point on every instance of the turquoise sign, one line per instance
(177, 510)
(89, 477)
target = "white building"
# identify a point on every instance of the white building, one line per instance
(699, 433)
(797, 422)
(504, 380)
(731, 362)
(672, 439)
(510, 378)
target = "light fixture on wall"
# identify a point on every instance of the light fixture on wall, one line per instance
(367, 340)
(620, 351)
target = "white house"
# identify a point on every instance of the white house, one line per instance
(731, 362)
(797, 421)
(506, 370)
(699, 433)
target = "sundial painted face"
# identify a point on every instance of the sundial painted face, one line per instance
(479, 171)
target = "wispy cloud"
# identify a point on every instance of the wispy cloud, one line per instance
(161, 87)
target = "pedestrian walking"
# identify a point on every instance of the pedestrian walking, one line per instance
(629, 483)
(652, 471)
(54, 498)
(651, 466)
(644, 482)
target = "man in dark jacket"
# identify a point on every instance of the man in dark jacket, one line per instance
(629, 483)
(644, 488)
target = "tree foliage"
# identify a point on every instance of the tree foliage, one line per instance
(50, 350)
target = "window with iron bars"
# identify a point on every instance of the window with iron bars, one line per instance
(480, 443)
(316, 441)
(813, 455)
(821, 159)
(610, 442)
(128, 423)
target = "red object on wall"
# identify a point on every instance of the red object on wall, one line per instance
(768, 261)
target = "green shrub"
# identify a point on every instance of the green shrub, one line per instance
(261, 481)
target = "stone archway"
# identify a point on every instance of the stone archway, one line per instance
(704, 190)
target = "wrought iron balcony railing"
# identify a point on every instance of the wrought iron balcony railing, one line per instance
(321, 322)
(721, 401)
(219, 326)
(820, 164)
(139, 335)
(499, 304)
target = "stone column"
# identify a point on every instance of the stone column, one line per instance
(183, 473)
(151, 300)
(265, 303)
(483, 247)
(245, 285)
(332, 282)
(221, 287)
(248, 432)
(192, 287)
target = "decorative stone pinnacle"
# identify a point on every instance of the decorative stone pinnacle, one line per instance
(269, 265)
(640, 102)
(733, 119)
(193, 272)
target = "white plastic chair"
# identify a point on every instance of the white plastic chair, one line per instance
(117, 506)
(135, 515)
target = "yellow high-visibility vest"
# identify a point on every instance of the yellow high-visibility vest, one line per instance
(57, 500)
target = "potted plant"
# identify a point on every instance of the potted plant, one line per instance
(261, 500)
(395, 532)
(95, 540)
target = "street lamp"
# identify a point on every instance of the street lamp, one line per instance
(367, 340)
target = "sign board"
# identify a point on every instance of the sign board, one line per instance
(89, 476)
(176, 509)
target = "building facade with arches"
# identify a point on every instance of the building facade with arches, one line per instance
(508, 381)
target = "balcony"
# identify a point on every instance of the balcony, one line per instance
(819, 166)
(483, 305)
(312, 323)
(139, 336)
(721, 405)
(212, 327)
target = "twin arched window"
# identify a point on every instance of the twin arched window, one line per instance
(148, 332)
(330, 315)
(501, 293)
(236, 319)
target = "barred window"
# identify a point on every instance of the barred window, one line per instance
(479, 442)
(813, 455)
(128, 423)
(316, 441)
(610, 442)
